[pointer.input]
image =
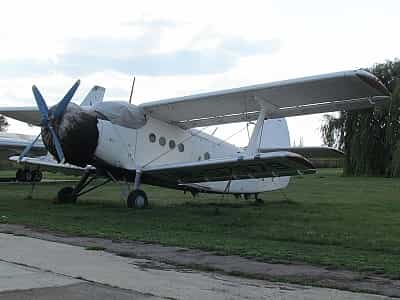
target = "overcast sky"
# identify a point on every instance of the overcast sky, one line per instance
(177, 48)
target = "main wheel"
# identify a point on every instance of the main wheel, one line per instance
(19, 176)
(137, 199)
(66, 195)
(258, 199)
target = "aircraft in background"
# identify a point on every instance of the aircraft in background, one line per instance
(12, 144)
(157, 142)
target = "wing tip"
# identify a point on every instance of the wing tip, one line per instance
(373, 81)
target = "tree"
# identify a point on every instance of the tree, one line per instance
(371, 137)
(3, 123)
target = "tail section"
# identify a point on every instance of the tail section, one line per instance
(95, 95)
(275, 134)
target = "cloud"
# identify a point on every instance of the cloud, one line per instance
(155, 23)
(142, 55)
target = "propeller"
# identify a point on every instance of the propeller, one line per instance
(48, 117)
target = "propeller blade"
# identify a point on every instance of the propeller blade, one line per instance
(62, 105)
(44, 111)
(57, 144)
(28, 148)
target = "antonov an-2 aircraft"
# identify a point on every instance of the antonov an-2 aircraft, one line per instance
(156, 142)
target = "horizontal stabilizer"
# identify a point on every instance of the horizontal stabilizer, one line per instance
(309, 152)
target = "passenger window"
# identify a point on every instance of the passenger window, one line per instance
(152, 137)
(206, 155)
(181, 147)
(171, 144)
(162, 141)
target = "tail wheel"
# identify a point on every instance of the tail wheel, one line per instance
(137, 199)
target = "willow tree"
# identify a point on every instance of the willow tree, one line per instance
(371, 137)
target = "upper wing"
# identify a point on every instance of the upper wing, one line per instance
(31, 115)
(13, 144)
(324, 93)
(309, 152)
(273, 164)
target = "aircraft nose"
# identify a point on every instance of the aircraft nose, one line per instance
(78, 135)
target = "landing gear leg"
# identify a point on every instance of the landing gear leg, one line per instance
(70, 194)
(137, 198)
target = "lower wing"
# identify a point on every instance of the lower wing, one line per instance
(48, 164)
(273, 164)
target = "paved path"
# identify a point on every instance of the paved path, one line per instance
(34, 268)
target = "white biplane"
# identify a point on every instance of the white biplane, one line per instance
(157, 142)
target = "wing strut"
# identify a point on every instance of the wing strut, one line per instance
(254, 143)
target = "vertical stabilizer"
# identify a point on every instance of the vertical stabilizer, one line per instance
(95, 95)
(275, 134)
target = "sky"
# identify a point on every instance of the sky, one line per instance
(178, 48)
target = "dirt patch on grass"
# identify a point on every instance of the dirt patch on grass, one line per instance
(233, 265)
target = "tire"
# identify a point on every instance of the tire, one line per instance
(37, 175)
(66, 195)
(138, 200)
(28, 176)
(19, 176)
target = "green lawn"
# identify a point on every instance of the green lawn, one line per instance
(326, 219)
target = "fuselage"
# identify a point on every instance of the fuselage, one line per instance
(160, 143)
(119, 138)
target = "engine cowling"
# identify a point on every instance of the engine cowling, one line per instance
(78, 134)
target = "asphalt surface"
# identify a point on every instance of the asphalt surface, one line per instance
(38, 269)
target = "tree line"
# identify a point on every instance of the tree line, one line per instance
(370, 138)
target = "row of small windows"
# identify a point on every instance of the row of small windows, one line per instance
(181, 147)
(162, 141)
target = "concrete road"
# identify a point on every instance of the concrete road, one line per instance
(33, 268)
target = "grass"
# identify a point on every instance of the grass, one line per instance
(325, 219)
